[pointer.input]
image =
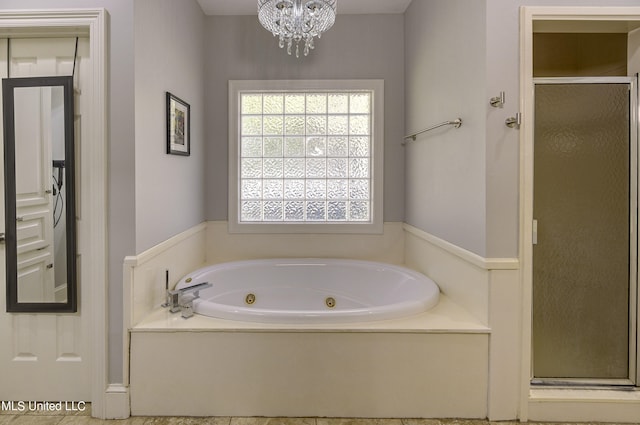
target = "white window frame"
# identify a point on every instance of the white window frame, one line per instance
(375, 225)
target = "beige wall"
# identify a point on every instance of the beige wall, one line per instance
(579, 54)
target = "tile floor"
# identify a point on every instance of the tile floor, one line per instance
(39, 417)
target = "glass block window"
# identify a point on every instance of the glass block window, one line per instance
(305, 156)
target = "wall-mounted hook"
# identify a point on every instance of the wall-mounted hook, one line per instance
(514, 122)
(498, 101)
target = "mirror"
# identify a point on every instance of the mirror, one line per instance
(39, 181)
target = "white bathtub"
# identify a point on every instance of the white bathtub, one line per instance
(310, 291)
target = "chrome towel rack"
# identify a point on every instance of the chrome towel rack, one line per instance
(456, 123)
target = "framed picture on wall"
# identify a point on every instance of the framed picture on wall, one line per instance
(178, 126)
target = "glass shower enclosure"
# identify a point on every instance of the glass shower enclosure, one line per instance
(585, 231)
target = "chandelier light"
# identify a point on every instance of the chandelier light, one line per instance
(295, 21)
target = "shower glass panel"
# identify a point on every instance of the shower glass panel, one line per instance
(582, 204)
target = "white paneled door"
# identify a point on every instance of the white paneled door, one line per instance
(45, 356)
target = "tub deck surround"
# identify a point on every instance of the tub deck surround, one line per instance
(432, 364)
(308, 374)
(445, 317)
(310, 290)
(144, 275)
(489, 289)
(223, 246)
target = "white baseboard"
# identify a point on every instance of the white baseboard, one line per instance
(117, 404)
(584, 405)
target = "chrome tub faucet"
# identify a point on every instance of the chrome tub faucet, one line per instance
(181, 300)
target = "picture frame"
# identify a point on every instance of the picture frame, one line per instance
(178, 126)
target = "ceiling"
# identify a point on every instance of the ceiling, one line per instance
(250, 7)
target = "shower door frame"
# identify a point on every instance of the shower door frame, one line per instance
(633, 378)
(541, 403)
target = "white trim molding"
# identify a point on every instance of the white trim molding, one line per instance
(579, 405)
(470, 257)
(92, 234)
(117, 405)
(149, 254)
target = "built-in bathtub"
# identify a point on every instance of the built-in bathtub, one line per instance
(310, 291)
(429, 363)
(288, 353)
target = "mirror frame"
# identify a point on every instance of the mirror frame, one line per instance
(13, 304)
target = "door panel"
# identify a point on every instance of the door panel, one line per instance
(581, 262)
(45, 356)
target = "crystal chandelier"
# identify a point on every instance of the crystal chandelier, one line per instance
(293, 21)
